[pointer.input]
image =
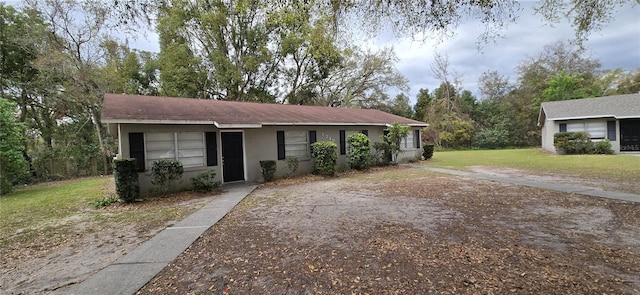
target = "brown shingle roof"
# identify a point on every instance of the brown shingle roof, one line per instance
(122, 108)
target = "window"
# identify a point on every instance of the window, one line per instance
(186, 147)
(563, 127)
(597, 130)
(408, 142)
(296, 144)
(293, 143)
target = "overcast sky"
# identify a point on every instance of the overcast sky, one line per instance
(617, 45)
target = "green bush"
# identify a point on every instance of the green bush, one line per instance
(292, 165)
(104, 202)
(491, 139)
(573, 142)
(580, 143)
(381, 154)
(427, 151)
(268, 169)
(325, 156)
(165, 172)
(359, 151)
(205, 181)
(602, 147)
(125, 172)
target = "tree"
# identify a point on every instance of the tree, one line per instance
(397, 133)
(180, 69)
(562, 87)
(13, 166)
(407, 18)
(362, 80)
(423, 100)
(400, 106)
(77, 32)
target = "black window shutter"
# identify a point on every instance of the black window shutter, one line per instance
(563, 127)
(312, 138)
(212, 148)
(611, 130)
(389, 156)
(136, 149)
(365, 132)
(343, 143)
(281, 154)
(416, 138)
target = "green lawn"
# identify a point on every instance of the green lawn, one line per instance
(52, 211)
(36, 207)
(608, 167)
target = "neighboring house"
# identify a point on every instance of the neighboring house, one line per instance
(616, 118)
(232, 137)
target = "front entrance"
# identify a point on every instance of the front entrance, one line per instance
(630, 135)
(232, 156)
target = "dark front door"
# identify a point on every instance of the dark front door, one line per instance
(232, 159)
(630, 135)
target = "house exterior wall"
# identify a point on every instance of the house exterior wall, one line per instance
(258, 144)
(552, 127)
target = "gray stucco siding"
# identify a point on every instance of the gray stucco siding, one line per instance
(258, 144)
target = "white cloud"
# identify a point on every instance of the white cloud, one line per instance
(616, 45)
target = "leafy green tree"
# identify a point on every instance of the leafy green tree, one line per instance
(423, 100)
(563, 87)
(13, 166)
(397, 133)
(180, 68)
(401, 106)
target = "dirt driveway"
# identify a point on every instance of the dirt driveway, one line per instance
(409, 231)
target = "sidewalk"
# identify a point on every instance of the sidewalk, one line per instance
(544, 185)
(133, 271)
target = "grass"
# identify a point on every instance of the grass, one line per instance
(607, 167)
(37, 206)
(52, 211)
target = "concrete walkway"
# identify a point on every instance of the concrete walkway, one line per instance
(133, 271)
(544, 185)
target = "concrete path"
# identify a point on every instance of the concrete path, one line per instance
(132, 272)
(544, 185)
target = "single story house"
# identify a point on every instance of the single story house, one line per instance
(616, 118)
(232, 137)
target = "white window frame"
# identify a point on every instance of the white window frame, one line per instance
(407, 143)
(173, 150)
(293, 143)
(596, 130)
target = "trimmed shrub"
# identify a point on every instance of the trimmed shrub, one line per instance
(573, 142)
(381, 155)
(292, 165)
(205, 181)
(359, 151)
(268, 168)
(325, 157)
(125, 172)
(427, 151)
(602, 147)
(165, 173)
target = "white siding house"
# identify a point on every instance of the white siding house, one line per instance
(614, 118)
